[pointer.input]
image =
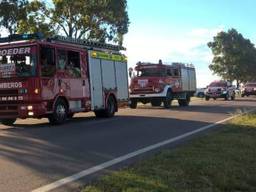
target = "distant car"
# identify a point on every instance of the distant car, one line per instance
(220, 89)
(200, 92)
(249, 89)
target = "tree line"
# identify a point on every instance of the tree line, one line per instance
(101, 20)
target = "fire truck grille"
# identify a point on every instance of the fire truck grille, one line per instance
(149, 89)
(9, 92)
(8, 110)
(144, 90)
(8, 107)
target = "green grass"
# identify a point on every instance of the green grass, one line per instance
(222, 161)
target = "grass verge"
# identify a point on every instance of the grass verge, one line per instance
(221, 161)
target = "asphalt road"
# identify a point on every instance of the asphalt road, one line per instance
(34, 154)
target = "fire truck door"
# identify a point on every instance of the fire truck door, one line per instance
(95, 73)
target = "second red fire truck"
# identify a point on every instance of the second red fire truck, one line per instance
(58, 77)
(161, 83)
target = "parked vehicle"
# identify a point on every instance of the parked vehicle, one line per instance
(200, 92)
(162, 83)
(220, 89)
(249, 89)
(58, 77)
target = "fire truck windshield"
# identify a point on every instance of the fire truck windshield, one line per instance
(17, 62)
(152, 72)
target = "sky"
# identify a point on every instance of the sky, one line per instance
(179, 30)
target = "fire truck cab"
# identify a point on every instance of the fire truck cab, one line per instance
(58, 77)
(161, 83)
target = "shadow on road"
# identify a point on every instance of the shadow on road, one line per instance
(56, 152)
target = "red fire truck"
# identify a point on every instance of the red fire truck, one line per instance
(57, 77)
(162, 83)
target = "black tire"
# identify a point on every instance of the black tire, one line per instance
(184, 102)
(8, 122)
(233, 97)
(201, 95)
(214, 98)
(133, 104)
(168, 100)
(207, 98)
(60, 113)
(110, 108)
(227, 97)
(70, 115)
(156, 102)
(99, 113)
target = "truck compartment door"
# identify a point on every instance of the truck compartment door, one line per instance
(122, 81)
(95, 75)
(108, 75)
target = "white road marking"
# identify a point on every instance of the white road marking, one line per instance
(110, 163)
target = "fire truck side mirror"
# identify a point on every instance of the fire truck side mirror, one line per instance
(130, 72)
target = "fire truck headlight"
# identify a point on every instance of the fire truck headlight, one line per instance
(36, 91)
(30, 113)
(23, 91)
(30, 107)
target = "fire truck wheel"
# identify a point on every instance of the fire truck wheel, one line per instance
(184, 102)
(70, 115)
(8, 121)
(59, 115)
(111, 107)
(168, 99)
(99, 113)
(133, 104)
(156, 102)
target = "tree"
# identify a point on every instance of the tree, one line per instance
(234, 56)
(102, 20)
(35, 20)
(92, 19)
(11, 12)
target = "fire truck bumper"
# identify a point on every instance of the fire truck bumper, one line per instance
(215, 95)
(152, 95)
(23, 111)
(32, 110)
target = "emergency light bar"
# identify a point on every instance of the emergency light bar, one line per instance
(40, 36)
(21, 37)
(174, 64)
(87, 43)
